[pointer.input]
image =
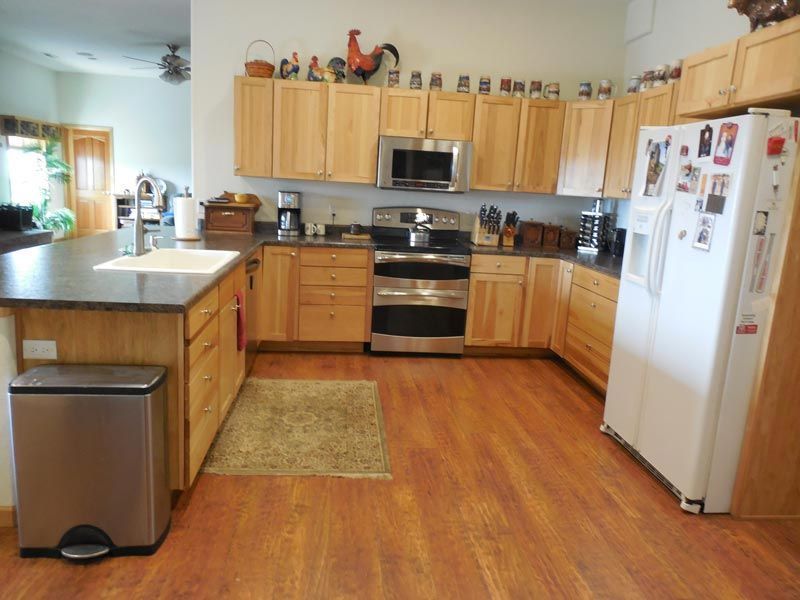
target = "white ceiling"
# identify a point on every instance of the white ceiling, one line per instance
(108, 29)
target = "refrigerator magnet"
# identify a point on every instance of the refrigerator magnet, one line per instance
(698, 204)
(760, 222)
(726, 143)
(720, 184)
(706, 138)
(704, 232)
(657, 152)
(715, 204)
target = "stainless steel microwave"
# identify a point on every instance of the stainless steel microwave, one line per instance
(424, 165)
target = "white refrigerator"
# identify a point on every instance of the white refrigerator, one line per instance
(706, 239)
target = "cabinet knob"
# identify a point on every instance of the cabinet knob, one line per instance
(208, 377)
(333, 294)
(333, 314)
(330, 173)
(422, 131)
(520, 282)
(430, 130)
(333, 257)
(207, 409)
(292, 253)
(569, 270)
(207, 344)
(593, 305)
(499, 264)
(235, 167)
(599, 190)
(723, 92)
(333, 275)
(732, 89)
(235, 308)
(510, 183)
(595, 282)
(206, 311)
(589, 347)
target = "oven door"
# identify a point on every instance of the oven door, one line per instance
(421, 270)
(421, 164)
(418, 320)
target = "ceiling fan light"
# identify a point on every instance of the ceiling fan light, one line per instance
(171, 77)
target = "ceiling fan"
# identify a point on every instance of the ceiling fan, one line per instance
(176, 69)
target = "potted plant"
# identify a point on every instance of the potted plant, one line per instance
(61, 219)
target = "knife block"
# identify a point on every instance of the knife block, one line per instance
(480, 237)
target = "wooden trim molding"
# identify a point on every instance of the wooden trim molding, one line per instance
(8, 516)
(6, 312)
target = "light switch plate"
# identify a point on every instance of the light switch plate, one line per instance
(39, 349)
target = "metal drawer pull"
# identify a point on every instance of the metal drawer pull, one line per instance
(207, 409)
(423, 293)
(208, 377)
(333, 314)
(227, 213)
(593, 305)
(292, 253)
(333, 257)
(206, 311)
(569, 270)
(499, 265)
(520, 282)
(235, 308)
(207, 345)
(333, 294)
(595, 282)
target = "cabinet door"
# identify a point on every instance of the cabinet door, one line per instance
(557, 344)
(706, 80)
(252, 126)
(352, 149)
(622, 147)
(657, 106)
(300, 128)
(404, 113)
(450, 116)
(584, 148)
(541, 127)
(541, 301)
(494, 312)
(768, 64)
(494, 142)
(228, 356)
(280, 276)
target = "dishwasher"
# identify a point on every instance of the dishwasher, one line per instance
(90, 460)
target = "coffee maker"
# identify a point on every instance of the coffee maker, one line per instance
(288, 213)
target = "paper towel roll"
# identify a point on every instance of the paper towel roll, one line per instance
(185, 210)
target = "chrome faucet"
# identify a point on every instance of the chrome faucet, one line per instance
(138, 224)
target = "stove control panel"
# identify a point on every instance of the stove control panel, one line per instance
(405, 217)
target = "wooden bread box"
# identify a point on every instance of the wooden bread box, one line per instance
(232, 217)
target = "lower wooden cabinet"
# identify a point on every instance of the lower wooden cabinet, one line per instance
(541, 302)
(280, 273)
(558, 341)
(494, 312)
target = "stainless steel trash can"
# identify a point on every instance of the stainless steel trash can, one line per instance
(90, 460)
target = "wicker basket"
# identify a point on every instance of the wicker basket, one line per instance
(259, 68)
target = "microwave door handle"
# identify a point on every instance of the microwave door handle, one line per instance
(454, 177)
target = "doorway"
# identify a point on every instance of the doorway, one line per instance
(89, 150)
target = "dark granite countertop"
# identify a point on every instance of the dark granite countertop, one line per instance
(16, 240)
(62, 275)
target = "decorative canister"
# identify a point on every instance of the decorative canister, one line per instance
(416, 80)
(585, 90)
(436, 82)
(394, 78)
(536, 89)
(634, 83)
(647, 80)
(605, 90)
(505, 86)
(675, 70)
(485, 85)
(553, 91)
(519, 89)
(661, 75)
(463, 83)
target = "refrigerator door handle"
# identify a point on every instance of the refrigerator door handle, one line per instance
(658, 273)
(651, 258)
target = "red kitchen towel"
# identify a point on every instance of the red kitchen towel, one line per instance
(241, 327)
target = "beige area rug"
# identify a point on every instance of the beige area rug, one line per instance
(303, 427)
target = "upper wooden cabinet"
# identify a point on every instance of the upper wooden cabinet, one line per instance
(541, 126)
(280, 271)
(706, 79)
(657, 106)
(450, 116)
(300, 128)
(494, 142)
(622, 147)
(352, 143)
(768, 64)
(252, 126)
(541, 294)
(584, 147)
(404, 113)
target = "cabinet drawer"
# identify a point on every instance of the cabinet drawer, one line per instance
(204, 381)
(224, 218)
(592, 313)
(331, 323)
(340, 296)
(201, 348)
(203, 418)
(332, 276)
(333, 257)
(597, 282)
(588, 355)
(495, 263)
(201, 313)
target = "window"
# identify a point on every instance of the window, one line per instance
(27, 171)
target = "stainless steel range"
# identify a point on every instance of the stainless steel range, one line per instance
(421, 281)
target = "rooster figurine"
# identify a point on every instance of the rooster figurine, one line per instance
(317, 73)
(290, 69)
(365, 65)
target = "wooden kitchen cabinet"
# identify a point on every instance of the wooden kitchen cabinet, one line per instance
(541, 302)
(706, 80)
(404, 113)
(494, 142)
(252, 126)
(494, 310)
(622, 147)
(450, 116)
(280, 270)
(558, 341)
(657, 106)
(541, 128)
(232, 360)
(584, 148)
(299, 130)
(352, 140)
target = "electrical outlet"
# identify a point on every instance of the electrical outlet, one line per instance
(39, 349)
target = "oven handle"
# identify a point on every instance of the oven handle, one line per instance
(425, 294)
(444, 259)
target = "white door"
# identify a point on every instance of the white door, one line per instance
(637, 305)
(699, 290)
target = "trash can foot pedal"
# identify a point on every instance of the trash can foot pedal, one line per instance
(84, 551)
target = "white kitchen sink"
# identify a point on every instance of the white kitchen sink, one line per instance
(172, 260)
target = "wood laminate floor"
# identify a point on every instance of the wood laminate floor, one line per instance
(503, 488)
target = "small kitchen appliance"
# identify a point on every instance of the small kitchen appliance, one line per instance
(424, 165)
(288, 213)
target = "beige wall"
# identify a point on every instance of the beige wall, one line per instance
(565, 41)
